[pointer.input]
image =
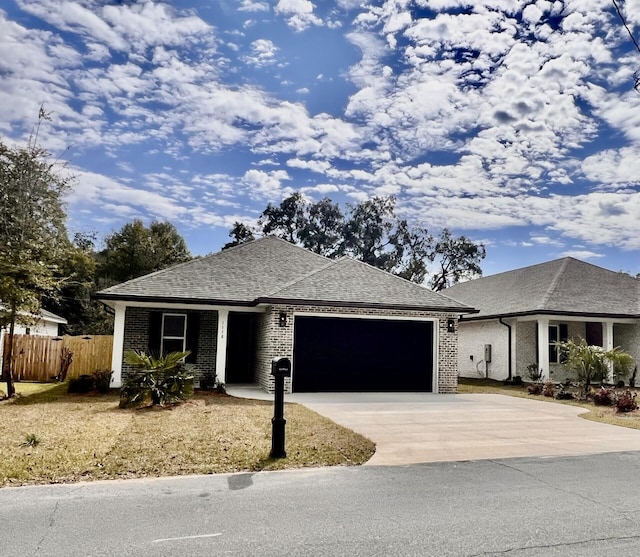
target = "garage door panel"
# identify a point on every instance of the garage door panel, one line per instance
(347, 354)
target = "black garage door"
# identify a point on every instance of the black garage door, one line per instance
(343, 354)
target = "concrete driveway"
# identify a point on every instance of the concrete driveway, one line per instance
(410, 428)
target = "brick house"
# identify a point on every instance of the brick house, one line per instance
(346, 326)
(524, 312)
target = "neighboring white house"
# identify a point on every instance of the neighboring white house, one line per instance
(525, 312)
(47, 324)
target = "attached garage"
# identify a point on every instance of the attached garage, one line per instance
(359, 354)
(345, 325)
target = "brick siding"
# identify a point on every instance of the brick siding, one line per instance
(274, 341)
(136, 337)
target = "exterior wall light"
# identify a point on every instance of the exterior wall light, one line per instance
(282, 319)
(451, 325)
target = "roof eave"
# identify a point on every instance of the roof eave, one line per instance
(363, 305)
(170, 300)
(551, 312)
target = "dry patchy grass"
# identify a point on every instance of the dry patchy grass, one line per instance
(604, 414)
(85, 437)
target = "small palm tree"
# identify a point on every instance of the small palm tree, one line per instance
(593, 363)
(158, 380)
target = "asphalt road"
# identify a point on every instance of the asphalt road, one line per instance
(568, 506)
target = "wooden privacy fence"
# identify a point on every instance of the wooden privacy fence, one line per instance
(38, 358)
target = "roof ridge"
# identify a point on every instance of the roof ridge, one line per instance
(208, 257)
(195, 259)
(292, 244)
(330, 263)
(554, 283)
(389, 273)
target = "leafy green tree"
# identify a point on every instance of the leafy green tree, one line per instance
(136, 250)
(323, 229)
(593, 363)
(78, 269)
(240, 233)
(370, 232)
(32, 233)
(457, 258)
(285, 220)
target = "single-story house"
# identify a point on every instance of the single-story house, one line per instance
(525, 312)
(345, 326)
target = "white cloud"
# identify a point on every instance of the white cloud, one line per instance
(265, 185)
(299, 13)
(581, 254)
(253, 6)
(263, 53)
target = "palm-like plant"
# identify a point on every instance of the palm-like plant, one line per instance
(158, 380)
(593, 363)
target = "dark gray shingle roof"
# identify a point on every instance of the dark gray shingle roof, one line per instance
(350, 282)
(563, 286)
(239, 274)
(271, 270)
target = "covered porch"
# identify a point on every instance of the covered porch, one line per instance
(535, 337)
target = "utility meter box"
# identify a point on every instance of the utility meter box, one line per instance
(487, 352)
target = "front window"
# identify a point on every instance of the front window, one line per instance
(174, 332)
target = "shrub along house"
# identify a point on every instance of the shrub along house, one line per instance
(346, 326)
(523, 313)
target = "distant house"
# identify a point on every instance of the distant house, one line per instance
(346, 326)
(523, 313)
(45, 324)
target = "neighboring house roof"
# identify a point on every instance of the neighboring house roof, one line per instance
(271, 270)
(565, 286)
(44, 315)
(52, 317)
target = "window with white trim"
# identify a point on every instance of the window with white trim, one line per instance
(554, 337)
(174, 332)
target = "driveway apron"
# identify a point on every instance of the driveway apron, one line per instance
(410, 428)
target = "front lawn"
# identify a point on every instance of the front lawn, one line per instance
(48, 436)
(604, 414)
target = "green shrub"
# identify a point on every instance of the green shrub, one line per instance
(158, 381)
(31, 440)
(221, 388)
(102, 380)
(564, 394)
(534, 372)
(534, 389)
(549, 389)
(208, 382)
(81, 384)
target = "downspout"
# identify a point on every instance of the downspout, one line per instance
(509, 344)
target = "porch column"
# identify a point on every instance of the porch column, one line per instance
(543, 347)
(514, 344)
(221, 346)
(607, 344)
(118, 346)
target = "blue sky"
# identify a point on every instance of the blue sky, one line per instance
(514, 123)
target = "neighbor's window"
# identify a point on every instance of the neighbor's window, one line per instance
(554, 336)
(174, 332)
(557, 333)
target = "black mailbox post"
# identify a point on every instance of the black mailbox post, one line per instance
(280, 368)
